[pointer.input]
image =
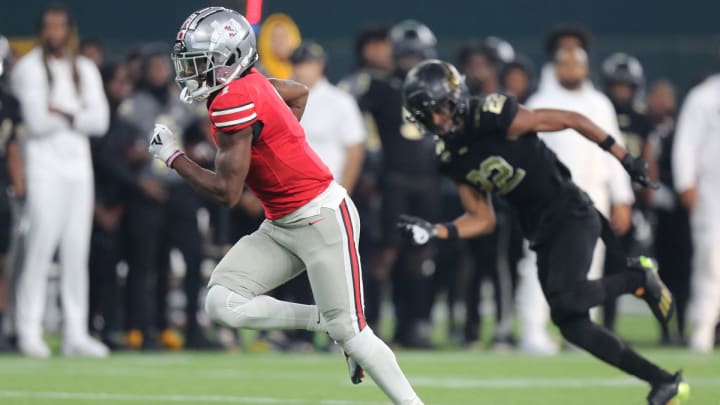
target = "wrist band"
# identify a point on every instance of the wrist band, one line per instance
(452, 231)
(174, 156)
(607, 143)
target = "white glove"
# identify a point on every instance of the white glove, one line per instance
(164, 145)
(416, 230)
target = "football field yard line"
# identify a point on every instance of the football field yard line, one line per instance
(195, 399)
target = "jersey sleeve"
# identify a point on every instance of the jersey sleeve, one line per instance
(495, 112)
(232, 110)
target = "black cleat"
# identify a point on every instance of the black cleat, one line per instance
(654, 292)
(670, 393)
(356, 371)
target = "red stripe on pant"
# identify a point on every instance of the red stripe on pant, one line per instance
(354, 264)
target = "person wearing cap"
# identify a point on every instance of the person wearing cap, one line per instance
(332, 120)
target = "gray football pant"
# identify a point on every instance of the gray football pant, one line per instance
(326, 245)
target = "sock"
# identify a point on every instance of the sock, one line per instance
(380, 363)
(261, 312)
(604, 345)
(623, 283)
(633, 363)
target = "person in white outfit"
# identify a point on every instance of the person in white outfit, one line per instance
(332, 121)
(600, 176)
(696, 171)
(62, 103)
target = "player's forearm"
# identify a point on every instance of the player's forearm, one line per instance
(585, 127)
(353, 165)
(468, 226)
(206, 182)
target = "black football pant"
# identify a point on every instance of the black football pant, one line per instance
(180, 230)
(414, 269)
(563, 263)
(673, 250)
(151, 230)
(104, 286)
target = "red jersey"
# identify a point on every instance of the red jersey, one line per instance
(285, 173)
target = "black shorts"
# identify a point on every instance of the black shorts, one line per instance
(564, 258)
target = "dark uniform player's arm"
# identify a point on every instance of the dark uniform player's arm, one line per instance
(478, 219)
(295, 95)
(232, 162)
(549, 120)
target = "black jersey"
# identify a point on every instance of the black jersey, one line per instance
(403, 144)
(524, 172)
(634, 127)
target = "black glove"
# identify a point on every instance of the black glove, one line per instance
(415, 230)
(638, 171)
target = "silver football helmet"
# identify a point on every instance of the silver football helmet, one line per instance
(214, 46)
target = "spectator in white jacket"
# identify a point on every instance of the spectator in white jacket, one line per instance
(696, 172)
(601, 176)
(62, 103)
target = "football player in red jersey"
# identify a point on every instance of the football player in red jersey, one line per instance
(311, 222)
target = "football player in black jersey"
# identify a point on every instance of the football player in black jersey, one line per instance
(490, 145)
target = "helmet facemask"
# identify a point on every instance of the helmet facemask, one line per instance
(214, 47)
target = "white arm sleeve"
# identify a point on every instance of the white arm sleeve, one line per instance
(353, 131)
(94, 118)
(688, 137)
(29, 85)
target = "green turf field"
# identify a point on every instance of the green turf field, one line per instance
(447, 377)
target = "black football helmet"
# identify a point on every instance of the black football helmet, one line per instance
(622, 68)
(430, 85)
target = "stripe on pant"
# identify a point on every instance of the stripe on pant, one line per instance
(354, 264)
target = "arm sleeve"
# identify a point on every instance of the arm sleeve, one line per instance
(94, 118)
(233, 111)
(688, 138)
(29, 86)
(495, 113)
(353, 131)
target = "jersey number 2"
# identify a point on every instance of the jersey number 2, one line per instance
(496, 175)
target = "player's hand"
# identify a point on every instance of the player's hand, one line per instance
(164, 145)
(416, 230)
(638, 171)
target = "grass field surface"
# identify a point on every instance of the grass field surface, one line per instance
(443, 377)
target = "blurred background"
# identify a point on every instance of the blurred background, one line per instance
(154, 242)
